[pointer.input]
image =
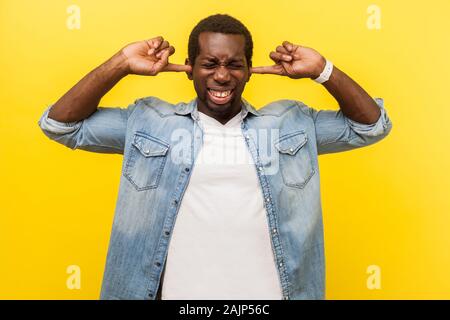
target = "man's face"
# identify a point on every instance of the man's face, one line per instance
(220, 73)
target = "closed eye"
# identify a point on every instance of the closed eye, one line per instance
(213, 65)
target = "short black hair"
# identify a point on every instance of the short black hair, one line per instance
(221, 23)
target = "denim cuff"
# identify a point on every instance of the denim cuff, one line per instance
(374, 129)
(57, 127)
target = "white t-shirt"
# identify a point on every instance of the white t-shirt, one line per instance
(220, 246)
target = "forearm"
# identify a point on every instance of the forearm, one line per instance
(353, 100)
(82, 99)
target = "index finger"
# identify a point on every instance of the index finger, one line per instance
(289, 46)
(177, 67)
(154, 43)
(264, 70)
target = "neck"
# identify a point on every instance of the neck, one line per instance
(223, 116)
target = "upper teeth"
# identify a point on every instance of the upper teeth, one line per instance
(220, 93)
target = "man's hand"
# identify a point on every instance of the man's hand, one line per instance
(294, 61)
(298, 62)
(149, 57)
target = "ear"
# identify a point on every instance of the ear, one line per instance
(189, 74)
(249, 74)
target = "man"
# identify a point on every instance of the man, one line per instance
(190, 224)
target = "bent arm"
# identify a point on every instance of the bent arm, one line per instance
(77, 122)
(354, 101)
(82, 100)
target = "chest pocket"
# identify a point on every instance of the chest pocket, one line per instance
(295, 159)
(146, 161)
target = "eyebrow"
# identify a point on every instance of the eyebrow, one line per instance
(231, 60)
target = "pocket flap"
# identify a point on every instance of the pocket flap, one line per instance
(149, 146)
(290, 143)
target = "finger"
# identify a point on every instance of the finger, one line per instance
(171, 52)
(286, 66)
(178, 67)
(264, 70)
(163, 61)
(162, 46)
(278, 57)
(282, 49)
(164, 55)
(154, 43)
(289, 46)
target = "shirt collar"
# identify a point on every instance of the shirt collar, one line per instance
(191, 107)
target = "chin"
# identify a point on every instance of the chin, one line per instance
(219, 107)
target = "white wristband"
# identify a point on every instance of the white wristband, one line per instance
(326, 73)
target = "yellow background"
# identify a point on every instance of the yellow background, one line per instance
(385, 205)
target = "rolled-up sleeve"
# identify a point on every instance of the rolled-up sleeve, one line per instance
(375, 129)
(103, 132)
(52, 126)
(336, 133)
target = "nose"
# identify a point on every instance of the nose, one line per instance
(222, 74)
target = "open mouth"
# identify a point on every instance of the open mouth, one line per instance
(220, 96)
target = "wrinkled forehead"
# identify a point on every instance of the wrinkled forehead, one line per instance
(221, 46)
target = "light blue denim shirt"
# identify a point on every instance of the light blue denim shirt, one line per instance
(160, 142)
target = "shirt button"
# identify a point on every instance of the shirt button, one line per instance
(267, 199)
(158, 264)
(274, 230)
(281, 264)
(150, 295)
(260, 168)
(146, 151)
(291, 150)
(167, 233)
(175, 202)
(285, 297)
(186, 169)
